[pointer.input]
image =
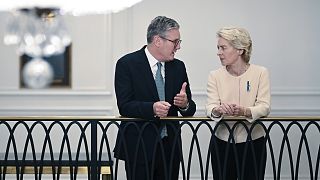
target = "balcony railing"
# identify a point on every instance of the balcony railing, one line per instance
(77, 147)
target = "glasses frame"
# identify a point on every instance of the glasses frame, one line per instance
(175, 42)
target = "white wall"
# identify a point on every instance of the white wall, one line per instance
(285, 39)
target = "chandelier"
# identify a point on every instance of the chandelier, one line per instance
(37, 29)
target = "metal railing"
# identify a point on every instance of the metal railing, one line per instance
(84, 145)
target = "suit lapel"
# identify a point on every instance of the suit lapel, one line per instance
(169, 81)
(143, 67)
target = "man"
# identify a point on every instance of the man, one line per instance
(151, 84)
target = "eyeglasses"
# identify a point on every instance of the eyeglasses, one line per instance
(175, 42)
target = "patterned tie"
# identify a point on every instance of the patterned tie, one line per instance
(161, 93)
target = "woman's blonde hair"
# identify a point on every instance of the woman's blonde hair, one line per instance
(238, 38)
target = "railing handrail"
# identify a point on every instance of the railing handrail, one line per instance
(119, 118)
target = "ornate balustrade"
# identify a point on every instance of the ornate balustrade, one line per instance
(83, 146)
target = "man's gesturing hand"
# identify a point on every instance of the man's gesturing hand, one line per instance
(181, 99)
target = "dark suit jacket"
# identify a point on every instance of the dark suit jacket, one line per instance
(136, 93)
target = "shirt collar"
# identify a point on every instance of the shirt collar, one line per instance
(152, 61)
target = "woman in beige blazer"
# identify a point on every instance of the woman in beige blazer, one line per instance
(238, 88)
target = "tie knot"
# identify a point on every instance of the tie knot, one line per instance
(159, 64)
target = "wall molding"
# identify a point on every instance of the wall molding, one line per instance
(295, 91)
(293, 111)
(56, 92)
(57, 110)
(44, 102)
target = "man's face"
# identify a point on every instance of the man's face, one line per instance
(169, 45)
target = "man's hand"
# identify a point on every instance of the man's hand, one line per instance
(161, 108)
(181, 99)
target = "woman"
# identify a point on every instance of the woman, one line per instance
(238, 88)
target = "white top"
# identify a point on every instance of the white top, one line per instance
(251, 90)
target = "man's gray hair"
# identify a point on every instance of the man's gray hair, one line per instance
(159, 26)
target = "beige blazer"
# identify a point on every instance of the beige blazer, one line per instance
(251, 89)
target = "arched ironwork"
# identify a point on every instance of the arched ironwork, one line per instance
(85, 145)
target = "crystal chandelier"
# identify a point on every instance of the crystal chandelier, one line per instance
(37, 32)
(37, 28)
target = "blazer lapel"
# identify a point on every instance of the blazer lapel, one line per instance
(148, 81)
(169, 79)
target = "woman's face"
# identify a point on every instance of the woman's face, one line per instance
(228, 54)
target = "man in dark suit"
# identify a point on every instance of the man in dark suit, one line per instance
(151, 146)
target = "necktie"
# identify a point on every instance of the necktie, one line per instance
(160, 83)
(160, 88)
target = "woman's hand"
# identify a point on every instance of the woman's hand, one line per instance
(230, 110)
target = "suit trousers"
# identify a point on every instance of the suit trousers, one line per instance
(162, 168)
(242, 161)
